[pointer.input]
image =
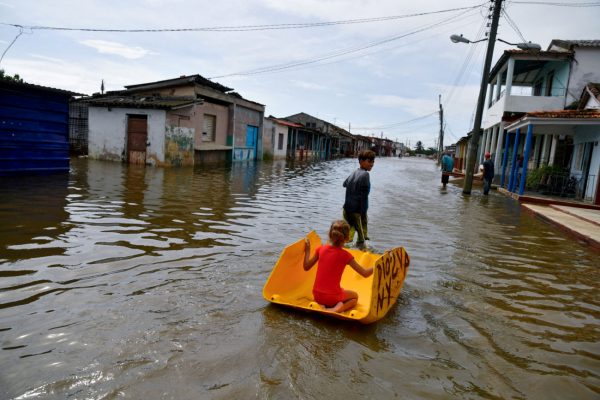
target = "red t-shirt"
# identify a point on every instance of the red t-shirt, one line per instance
(332, 261)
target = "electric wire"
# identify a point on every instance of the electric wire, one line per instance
(513, 25)
(387, 49)
(245, 28)
(337, 53)
(396, 124)
(548, 3)
(10, 45)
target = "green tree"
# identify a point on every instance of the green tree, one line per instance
(5, 77)
(419, 147)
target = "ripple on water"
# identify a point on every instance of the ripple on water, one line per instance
(149, 280)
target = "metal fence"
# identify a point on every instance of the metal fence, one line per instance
(564, 185)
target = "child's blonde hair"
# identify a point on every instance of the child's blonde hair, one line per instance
(339, 233)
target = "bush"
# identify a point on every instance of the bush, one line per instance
(536, 177)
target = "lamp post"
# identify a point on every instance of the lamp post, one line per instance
(476, 132)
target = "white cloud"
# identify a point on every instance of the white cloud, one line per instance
(412, 106)
(129, 52)
(309, 85)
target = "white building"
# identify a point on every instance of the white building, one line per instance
(533, 117)
(275, 137)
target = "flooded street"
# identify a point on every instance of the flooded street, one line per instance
(134, 282)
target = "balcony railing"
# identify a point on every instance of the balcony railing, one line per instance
(526, 91)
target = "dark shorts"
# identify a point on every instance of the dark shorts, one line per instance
(445, 178)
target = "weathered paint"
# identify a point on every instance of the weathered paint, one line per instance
(179, 146)
(245, 117)
(33, 129)
(108, 133)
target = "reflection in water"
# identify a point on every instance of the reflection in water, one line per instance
(131, 281)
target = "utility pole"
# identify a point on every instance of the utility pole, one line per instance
(441, 137)
(476, 133)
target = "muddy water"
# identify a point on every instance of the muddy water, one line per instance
(133, 282)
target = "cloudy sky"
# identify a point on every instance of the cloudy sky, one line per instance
(371, 66)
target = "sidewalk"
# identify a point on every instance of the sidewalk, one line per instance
(579, 222)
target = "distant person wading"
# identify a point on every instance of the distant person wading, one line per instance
(447, 168)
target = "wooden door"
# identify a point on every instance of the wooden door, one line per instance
(137, 137)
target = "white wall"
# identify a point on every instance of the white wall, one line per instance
(107, 138)
(586, 69)
(280, 129)
(587, 134)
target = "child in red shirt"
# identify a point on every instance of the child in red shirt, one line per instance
(333, 259)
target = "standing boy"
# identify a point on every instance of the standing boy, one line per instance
(488, 173)
(358, 186)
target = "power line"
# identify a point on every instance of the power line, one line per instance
(513, 25)
(11, 43)
(548, 3)
(245, 28)
(414, 41)
(396, 124)
(338, 53)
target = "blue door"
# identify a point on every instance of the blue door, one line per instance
(251, 136)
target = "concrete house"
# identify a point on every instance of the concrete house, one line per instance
(275, 137)
(315, 139)
(525, 82)
(223, 126)
(152, 130)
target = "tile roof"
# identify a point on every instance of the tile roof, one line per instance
(592, 114)
(284, 122)
(155, 102)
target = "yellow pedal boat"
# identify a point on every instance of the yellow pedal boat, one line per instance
(290, 285)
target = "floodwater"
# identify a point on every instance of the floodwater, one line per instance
(145, 283)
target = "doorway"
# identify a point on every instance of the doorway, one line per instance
(137, 138)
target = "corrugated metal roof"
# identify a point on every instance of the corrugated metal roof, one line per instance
(159, 102)
(12, 84)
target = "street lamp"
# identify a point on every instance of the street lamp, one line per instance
(461, 39)
(523, 46)
(476, 133)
